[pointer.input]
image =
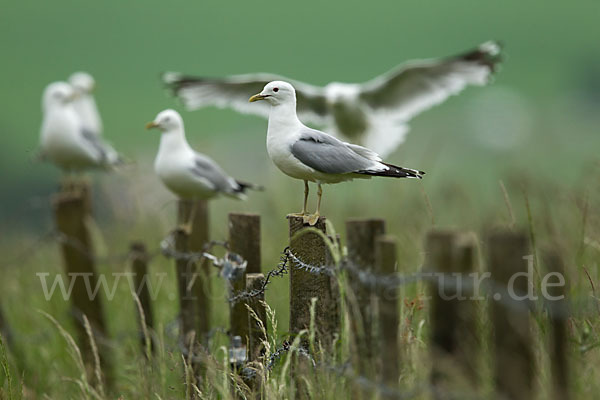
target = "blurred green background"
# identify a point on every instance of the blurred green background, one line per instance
(539, 118)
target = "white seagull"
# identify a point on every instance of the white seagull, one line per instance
(84, 103)
(311, 155)
(375, 113)
(187, 173)
(63, 139)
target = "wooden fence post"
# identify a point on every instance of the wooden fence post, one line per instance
(513, 347)
(193, 278)
(450, 257)
(439, 247)
(554, 292)
(360, 238)
(467, 335)
(310, 248)
(389, 313)
(71, 209)
(139, 267)
(244, 239)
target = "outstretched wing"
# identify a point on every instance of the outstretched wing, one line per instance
(416, 86)
(234, 92)
(327, 154)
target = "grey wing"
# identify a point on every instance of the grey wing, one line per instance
(234, 92)
(417, 86)
(327, 154)
(209, 171)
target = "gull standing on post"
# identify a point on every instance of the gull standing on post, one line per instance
(84, 103)
(374, 114)
(311, 155)
(187, 173)
(63, 139)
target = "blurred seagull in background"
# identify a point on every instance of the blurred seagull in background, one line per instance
(187, 173)
(63, 139)
(374, 114)
(310, 155)
(84, 103)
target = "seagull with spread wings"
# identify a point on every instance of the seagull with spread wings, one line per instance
(375, 113)
(311, 155)
(64, 141)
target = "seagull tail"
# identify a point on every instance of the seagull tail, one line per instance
(394, 171)
(240, 191)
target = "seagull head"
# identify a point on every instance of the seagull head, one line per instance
(166, 121)
(57, 94)
(82, 82)
(276, 92)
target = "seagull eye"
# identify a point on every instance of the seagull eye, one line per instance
(276, 90)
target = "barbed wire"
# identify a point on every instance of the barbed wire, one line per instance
(366, 277)
(280, 270)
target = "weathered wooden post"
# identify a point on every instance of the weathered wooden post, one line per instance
(244, 240)
(513, 348)
(139, 267)
(193, 275)
(554, 291)
(389, 313)
(439, 247)
(467, 334)
(309, 248)
(71, 210)
(450, 258)
(360, 237)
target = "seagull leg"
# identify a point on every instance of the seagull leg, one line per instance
(312, 219)
(304, 212)
(187, 226)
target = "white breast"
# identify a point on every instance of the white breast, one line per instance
(62, 142)
(173, 165)
(279, 150)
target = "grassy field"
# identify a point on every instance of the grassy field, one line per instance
(567, 217)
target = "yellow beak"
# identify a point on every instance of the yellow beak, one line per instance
(256, 97)
(151, 125)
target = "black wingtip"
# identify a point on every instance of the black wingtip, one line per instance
(489, 53)
(244, 186)
(395, 171)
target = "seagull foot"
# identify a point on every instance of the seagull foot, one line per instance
(300, 214)
(185, 228)
(311, 219)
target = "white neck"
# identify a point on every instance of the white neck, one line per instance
(282, 118)
(172, 141)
